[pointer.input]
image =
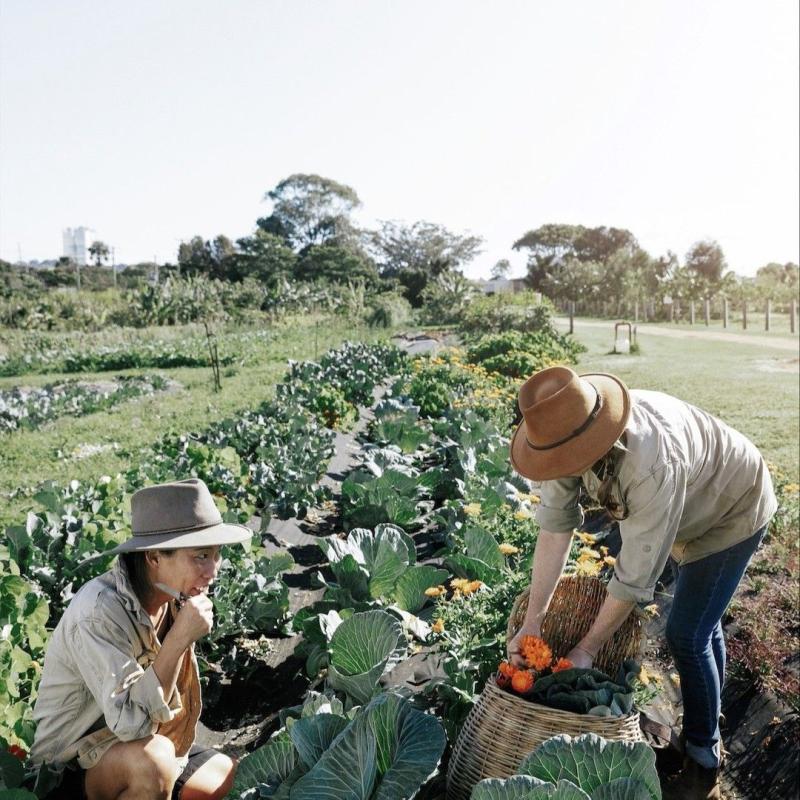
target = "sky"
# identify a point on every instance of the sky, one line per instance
(154, 121)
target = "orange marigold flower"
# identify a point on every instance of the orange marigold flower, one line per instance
(435, 591)
(507, 670)
(471, 586)
(522, 682)
(561, 664)
(438, 626)
(536, 652)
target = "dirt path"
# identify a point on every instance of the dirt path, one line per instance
(782, 343)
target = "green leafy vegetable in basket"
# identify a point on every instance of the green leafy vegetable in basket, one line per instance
(586, 767)
(588, 691)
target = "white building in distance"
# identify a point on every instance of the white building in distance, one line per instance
(77, 242)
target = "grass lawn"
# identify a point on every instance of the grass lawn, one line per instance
(753, 388)
(53, 452)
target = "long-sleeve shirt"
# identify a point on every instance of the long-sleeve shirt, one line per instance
(693, 486)
(98, 685)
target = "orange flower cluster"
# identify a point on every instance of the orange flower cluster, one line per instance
(538, 657)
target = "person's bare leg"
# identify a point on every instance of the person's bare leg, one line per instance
(212, 781)
(144, 769)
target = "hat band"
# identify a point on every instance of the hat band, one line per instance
(184, 529)
(595, 411)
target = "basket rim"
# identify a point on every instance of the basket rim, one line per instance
(521, 701)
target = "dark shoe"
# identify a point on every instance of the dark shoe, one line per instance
(693, 782)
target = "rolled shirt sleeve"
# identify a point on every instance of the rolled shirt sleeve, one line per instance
(559, 511)
(131, 696)
(655, 507)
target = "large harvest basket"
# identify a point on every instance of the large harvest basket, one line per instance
(503, 728)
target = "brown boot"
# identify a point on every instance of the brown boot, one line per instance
(693, 782)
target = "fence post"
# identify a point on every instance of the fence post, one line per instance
(768, 314)
(744, 315)
(707, 309)
(571, 316)
(793, 315)
(725, 312)
(691, 312)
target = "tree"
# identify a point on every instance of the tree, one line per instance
(99, 251)
(706, 258)
(265, 257)
(501, 269)
(309, 210)
(212, 258)
(334, 264)
(573, 279)
(416, 253)
(554, 244)
(778, 281)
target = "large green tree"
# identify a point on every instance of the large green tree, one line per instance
(265, 257)
(557, 244)
(707, 259)
(415, 254)
(334, 264)
(99, 252)
(310, 210)
(214, 258)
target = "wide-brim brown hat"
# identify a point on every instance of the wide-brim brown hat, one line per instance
(175, 515)
(568, 422)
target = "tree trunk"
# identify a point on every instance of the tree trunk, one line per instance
(725, 312)
(691, 312)
(744, 315)
(572, 316)
(768, 314)
(707, 310)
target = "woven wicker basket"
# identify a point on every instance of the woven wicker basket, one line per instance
(503, 728)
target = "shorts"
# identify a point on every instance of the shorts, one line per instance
(72, 785)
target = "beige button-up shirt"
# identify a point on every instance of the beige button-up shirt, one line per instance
(693, 486)
(98, 685)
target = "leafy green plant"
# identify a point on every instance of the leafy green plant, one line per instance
(387, 750)
(586, 767)
(397, 422)
(391, 496)
(379, 566)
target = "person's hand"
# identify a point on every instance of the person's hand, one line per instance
(194, 620)
(580, 658)
(512, 647)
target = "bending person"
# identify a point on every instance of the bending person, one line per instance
(680, 482)
(119, 698)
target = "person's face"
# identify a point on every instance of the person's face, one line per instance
(190, 570)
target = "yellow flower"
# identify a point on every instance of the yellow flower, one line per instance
(587, 553)
(610, 561)
(587, 567)
(458, 583)
(508, 549)
(604, 550)
(435, 591)
(438, 626)
(675, 678)
(791, 488)
(644, 676)
(586, 538)
(472, 509)
(522, 514)
(471, 586)
(651, 610)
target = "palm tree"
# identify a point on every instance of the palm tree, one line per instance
(99, 251)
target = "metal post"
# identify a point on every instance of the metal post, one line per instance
(571, 316)
(724, 312)
(744, 315)
(768, 314)
(707, 310)
(793, 315)
(691, 312)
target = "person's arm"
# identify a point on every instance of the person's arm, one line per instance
(549, 558)
(194, 620)
(656, 506)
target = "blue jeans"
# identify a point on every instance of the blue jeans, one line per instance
(694, 634)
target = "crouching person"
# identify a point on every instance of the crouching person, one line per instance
(119, 699)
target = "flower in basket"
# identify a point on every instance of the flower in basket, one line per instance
(522, 682)
(562, 664)
(505, 674)
(536, 652)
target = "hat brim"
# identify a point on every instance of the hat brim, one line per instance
(224, 533)
(577, 455)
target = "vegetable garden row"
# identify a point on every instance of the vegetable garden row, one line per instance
(432, 544)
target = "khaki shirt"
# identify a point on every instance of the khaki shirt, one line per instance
(98, 685)
(693, 487)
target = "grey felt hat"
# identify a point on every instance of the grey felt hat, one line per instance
(175, 515)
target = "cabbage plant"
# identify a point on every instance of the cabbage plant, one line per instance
(380, 565)
(385, 750)
(586, 767)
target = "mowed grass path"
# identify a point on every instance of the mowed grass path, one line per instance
(753, 387)
(29, 457)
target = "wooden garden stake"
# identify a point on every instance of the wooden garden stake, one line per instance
(768, 314)
(724, 312)
(744, 315)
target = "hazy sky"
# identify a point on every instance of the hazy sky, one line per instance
(155, 120)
